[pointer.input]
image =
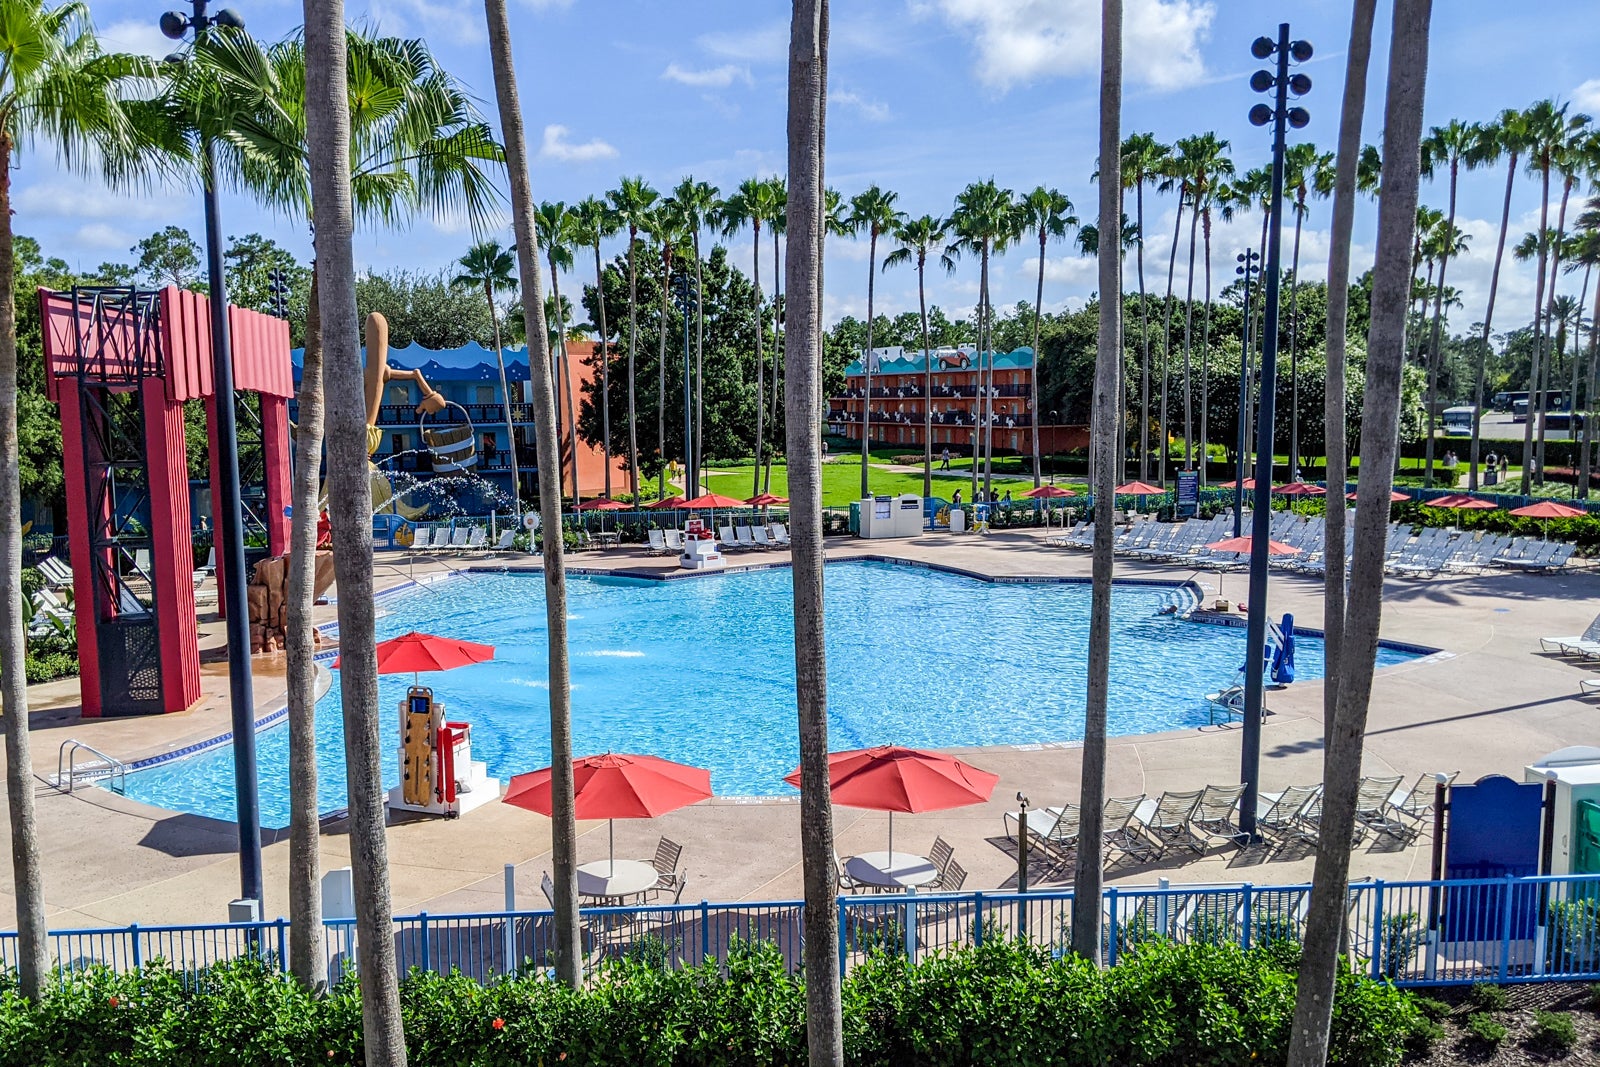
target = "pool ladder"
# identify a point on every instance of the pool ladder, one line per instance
(68, 771)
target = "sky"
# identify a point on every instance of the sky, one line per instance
(925, 96)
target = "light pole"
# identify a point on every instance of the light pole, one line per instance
(1249, 263)
(278, 292)
(1280, 83)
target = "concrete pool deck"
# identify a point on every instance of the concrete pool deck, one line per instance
(1489, 702)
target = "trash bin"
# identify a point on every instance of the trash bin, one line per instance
(958, 520)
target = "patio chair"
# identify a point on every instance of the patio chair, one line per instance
(1373, 807)
(780, 534)
(1213, 815)
(55, 571)
(725, 537)
(506, 542)
(950, 880)
(1166, 819)
(1118, 832)
(1588, 686)
(846, 883)
(478, 539)
(1417, 802)
(658, 542)
(940, 855)
(759, 535)
(458, 539)
(743, 538)
(1278, 814)
(674, 541)
(671, 880)
(1039, 821)
(1060, 840)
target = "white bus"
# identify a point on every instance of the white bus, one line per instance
(1458, 421)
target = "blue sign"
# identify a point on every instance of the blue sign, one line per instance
(1188, 494)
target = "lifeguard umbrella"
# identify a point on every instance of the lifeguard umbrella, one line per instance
(1395, 496)
(616, 786)
(417, 652)
(713, 501)
(1547, 510)
(890, 778)
(1460, 502)
(1299, 489)
(603, 504)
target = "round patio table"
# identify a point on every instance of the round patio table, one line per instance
(902, 870)
(615, 879)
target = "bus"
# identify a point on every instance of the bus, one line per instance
(1458, 421)
(1517, 403)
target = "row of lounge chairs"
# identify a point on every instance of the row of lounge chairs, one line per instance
(1421, 552)
(463, 540)
(1148, 828)
(774, 535)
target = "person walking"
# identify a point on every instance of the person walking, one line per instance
(944, 460)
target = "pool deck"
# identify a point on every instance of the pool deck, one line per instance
(1490, 702)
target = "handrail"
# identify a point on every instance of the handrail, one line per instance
(108, 767)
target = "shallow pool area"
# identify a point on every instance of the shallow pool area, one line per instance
(702, 671)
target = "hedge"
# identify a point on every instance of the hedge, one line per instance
(1003, 1003)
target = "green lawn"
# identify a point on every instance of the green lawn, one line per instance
(841, 482)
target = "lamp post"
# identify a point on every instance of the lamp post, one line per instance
(1280, 83)
(687, 299)
(1249, 264)
(230, 524)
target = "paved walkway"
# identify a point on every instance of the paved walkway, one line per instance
(1489, 703)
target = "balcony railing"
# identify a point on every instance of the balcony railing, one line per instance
(481, 414)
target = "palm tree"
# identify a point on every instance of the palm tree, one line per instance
(592, 223)
(1305, 171)
(55, 84)
(1451, 145)
(1088, 877)
(700, 203)
(563, 826)
(1171, 179)
(631, 203)
(493, 267)
(751, 205)
(1216, 195)
(779, 195)
(920, 238)
(873, 212)
(556, 231)
(1506, 136)
(1143, 160)
(1442, 244)
(1202, 161)
(986, 221)
(669, 225)
(1048, 213)
(1402, 132)
(806, 223)
(1586, 253)
(1569, 161)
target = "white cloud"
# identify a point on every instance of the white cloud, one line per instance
(70, 198)
(871, 110)
(1586, 97)
(1021, 40)
(761, 44)
(557, 147)
(455, 21)
(139, 36)
(100, 236)
(710, 78)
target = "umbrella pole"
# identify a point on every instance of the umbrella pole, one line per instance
(611, 833)
(891, 839)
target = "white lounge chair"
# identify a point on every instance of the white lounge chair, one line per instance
(1279, 814)
(507, 541)
(743, 538)
(56, 572)
(1166, 818)
(780, 534)
(759, 535)
(1588, 686)
(674, 541)
(458, 539)
(1374, 804)
(1417, 802)
(658, 542)
(725, 537)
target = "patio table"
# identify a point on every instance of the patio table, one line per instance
(615, 879)
(902, 870)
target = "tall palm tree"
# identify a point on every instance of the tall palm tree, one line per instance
(1506, 136)
(1048, 213)
(669, 225)
(329, 132)
(1203, 162)
(1586, 252)
(1444, 243)
(1569, 162)
(1143, 160)
(631, 203)
(415, 143)
(751, 205)
(1450, 146)
(556, 230)
(592, 223)
(1216, 197)
(779, 193)
(699, 201)
(1402, 132)
(55, 85)
(986, 221)
(918, 239)
(563, 826)
(1171, 180)
(1088, 877)
(492, 266)
(872, 212)
(1306, 171)
(808, 87)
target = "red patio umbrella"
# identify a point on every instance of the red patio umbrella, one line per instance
(667, 502)
(1300, 489)
(602, 503)
(416, 652)
(890, 778)
(713, 500)
(1046, 492)
(1246, 544)
(1460, 502)
(762, 500)
(1138, 489)
(1249, 483)
(1550, 509)
(1395, 496)
(616, 786)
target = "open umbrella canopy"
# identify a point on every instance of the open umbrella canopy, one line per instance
(1246, 544)
(1138, 489)
(1460, 502)
(1395, 496)
(762, 500)
(667, 502)
(1550, 509)
(616, 786)
(890, 778)
(415, 652)
(1249, 483)
(1046, 492)
(713, 500)
(603, 503)
(1300, 489)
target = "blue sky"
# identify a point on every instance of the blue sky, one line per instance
(926, 95)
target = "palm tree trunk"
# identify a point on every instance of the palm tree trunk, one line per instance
(1166, 344)
(1033, 377)
(1294, 348)
(802, 392)
(633, 340)
(605, 368)
(1357, 58)
(1488, 319)
(1589, 398)
(33, 953)
(563, 826)
(1144, 335)
(761, 389)
(350, 506)
(1536, 370)
(777, 348)
(505, 400)
(1547, 374)
(927, 377)
(1438, 318)
(661, 373)
(1205, 357)
(866, 357)
(307, 958)
(986, 376)
(1087, 875)
(699, 371)
(564, 377)
(1188, 326)
(1397, 212)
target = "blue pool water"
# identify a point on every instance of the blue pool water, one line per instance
(702, 671)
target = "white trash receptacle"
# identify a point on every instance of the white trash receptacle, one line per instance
(958, 520)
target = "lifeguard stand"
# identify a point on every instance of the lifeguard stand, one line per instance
(121, 363)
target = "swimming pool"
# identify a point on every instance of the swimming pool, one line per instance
(701, 671)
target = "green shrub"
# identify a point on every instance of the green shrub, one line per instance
(1594, 996)
(1482, 1025)
(1553, 1032)
(1433, 1009)
(1423, 1036)
(49, 666)
(1487, 997)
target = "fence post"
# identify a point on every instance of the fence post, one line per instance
(427, 958)
(1163, 906)
(1244, 934)
(138, 949)
(1111, 928)
(283, 946)
(1377, 929)
(977, 919)
(705, 930)
(844, 935)
(1505, 930)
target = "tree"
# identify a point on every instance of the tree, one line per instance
(328, 136)
(547, 449)
(491, 266)
(670, 229)
(1215, 195)
(249, 264)
(1171, 179)
(1088, 876)
(1202, 161)
(168, 257)
(1305, 171)
(986, 221)
(1048, 213)
(1143, 161)
(1402, 132)
(835, 226)
(699, 203)
(1570, 163)
(1507, 136)
(750, 205)
(631, 203)
(871, 211)
(554, 228)
(1449, 146)
(593, 222)
(1442, 244)
(919, 238)
(56, 85)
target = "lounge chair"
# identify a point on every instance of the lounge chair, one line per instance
(1417, 802)
(759, 535)
(1213, 815)
(1279, 814)
(1118, 831)
(55, 571)
(743, 538)
(1574, 644)
(478, 539)
(658, 543)
(1060, 841)
(674, 541)
(725, 537)
(780, 534)
(458, 539)
(507, 541)
(1373, 807)
(1588, 686)
(1039, 821)
(1166, 819)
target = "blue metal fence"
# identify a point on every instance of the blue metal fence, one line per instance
(1414, 933)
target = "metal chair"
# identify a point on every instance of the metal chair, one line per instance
(1213, 815)
(1166, 819)
(670, 879)
(1279, 814)
(940, 855)
(1118, 832)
